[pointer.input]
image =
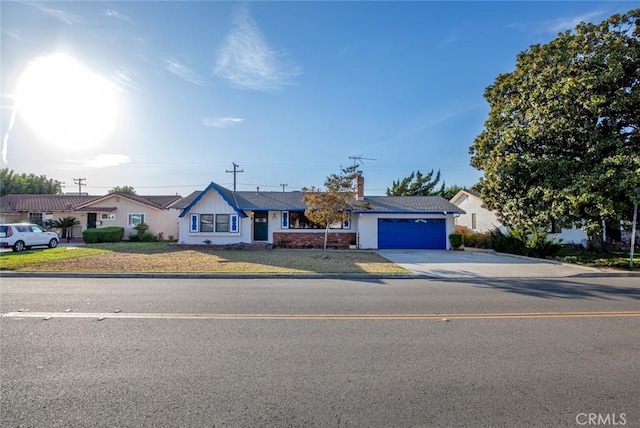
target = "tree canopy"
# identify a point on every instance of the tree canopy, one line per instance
(416, 184)
(15, 184)
(123, 189)
(562, 139)
(332, 205)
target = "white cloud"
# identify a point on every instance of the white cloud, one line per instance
(246, 60)
(117, 15)
(125, 78)
(14, 34)
(182, 71)
(222, 122)
(104, 161)
(60, 15)
(562, 24)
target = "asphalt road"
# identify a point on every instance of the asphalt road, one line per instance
(417, 352)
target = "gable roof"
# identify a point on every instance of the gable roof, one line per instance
(292, 201)
(228, 195)
(157, 202)
(465, 192)
(43, 203)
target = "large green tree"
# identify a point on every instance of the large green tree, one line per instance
(562, 139)
(15, 184)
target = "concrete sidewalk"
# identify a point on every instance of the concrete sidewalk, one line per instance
(484, 264)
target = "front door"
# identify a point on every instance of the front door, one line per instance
(91, 220)
(261, 226)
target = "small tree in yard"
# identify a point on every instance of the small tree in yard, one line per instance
(332, 205)
(65, 224)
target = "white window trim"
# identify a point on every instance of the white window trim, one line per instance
(129, 218)
(194, 224)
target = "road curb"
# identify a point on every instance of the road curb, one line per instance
(150, 275)
(205, 275)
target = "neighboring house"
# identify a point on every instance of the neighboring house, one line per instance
(479, 219)
(219, 216)
(115, 209)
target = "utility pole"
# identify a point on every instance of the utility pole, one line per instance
(80, 182)
(235, 171)
(283, 186)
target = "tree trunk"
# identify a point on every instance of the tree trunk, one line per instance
(594, 243)
(326, 239)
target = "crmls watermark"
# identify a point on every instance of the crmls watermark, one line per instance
(601, 419)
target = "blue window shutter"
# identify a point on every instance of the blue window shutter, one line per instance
(285, 219)
(194, 223)
(233, 223)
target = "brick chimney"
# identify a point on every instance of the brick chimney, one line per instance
(359, 185)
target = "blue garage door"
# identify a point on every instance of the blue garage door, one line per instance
(412, 233)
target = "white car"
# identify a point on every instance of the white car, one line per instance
(21, 236)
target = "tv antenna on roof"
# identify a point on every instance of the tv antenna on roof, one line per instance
(357, 159)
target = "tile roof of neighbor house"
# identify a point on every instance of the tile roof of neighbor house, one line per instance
(43, 203)
(292, 201)
(159, 202)
(40, 203)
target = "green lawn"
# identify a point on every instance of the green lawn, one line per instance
(615, 259)
(165, 258)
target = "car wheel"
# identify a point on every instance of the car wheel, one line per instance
(18, 246)
(53, 243)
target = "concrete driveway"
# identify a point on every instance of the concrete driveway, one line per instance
(480, 264)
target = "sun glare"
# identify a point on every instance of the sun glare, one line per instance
(66, 104)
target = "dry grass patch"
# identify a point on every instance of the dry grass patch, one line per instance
(163, 258)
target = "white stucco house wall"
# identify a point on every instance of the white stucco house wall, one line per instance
(479, 219)
(115, 209)
(219, 216)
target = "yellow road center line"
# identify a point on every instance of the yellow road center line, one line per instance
(425, 316)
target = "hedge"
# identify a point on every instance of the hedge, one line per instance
(104, 234)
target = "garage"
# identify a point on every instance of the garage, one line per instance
(412, 233)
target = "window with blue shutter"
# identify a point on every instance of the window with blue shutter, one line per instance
(234, 226)
(285, 219)
(194, 223)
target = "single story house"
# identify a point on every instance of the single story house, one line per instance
(115, 209)
(479, 219)
(219, 216)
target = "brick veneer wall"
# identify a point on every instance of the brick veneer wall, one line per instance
(315, 240)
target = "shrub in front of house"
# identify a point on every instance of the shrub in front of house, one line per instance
(476, 240)
(104, 234)
(532, 243)
(456, 240)
(142, 234)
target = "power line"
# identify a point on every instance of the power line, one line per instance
(283, 186)
(235, 172)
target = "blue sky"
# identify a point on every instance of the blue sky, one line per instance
(287, 90)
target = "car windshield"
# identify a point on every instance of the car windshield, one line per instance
(36, 228)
